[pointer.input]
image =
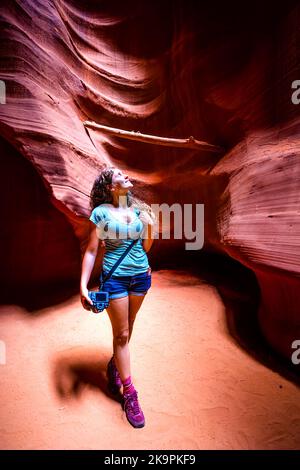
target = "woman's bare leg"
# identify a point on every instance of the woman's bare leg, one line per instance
(135, 302)
(118, 314)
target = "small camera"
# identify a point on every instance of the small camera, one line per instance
(100, 300)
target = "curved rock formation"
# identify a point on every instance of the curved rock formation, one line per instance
(170, 69)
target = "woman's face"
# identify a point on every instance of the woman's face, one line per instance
(120, 181)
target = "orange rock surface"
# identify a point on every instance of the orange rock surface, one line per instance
(165, 69)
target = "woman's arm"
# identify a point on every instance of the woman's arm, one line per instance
(88, 262)
(149, 237)
(148, 219)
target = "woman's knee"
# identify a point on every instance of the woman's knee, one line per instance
(121, 337)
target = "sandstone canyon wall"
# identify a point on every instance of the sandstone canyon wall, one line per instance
(220, 73)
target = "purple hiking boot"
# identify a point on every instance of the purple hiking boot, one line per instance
(133, 410)
(113, 376)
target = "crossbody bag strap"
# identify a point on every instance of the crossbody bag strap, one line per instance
(119, 261)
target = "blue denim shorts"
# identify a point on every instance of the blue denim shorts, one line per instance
(122, 286)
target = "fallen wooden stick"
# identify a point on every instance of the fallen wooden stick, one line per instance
(190, 142)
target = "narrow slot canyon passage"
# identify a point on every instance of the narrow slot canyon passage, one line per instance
(197, 107)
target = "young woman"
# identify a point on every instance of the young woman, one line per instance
(117, 218)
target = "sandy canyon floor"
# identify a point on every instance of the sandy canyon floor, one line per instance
(198, 388)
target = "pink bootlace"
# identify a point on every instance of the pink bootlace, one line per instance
(131, 400)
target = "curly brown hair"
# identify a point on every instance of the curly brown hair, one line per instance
(100, 193)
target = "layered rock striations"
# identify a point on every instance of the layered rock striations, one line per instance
(168, 69)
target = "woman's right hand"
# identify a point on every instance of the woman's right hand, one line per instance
(85, 300)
